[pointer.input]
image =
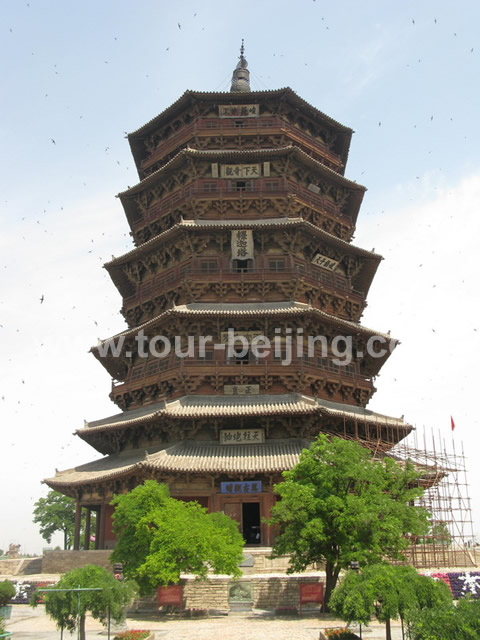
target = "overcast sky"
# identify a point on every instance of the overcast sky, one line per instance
(76, 76)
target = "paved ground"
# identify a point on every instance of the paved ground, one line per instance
(33, 624)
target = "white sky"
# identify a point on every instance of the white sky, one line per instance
(405, 77)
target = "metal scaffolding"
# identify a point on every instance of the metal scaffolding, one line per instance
(450, 542)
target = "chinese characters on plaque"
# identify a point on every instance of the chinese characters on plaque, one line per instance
(238, 110)
(241, 389)
(240, 171)
(249, 486)
(242, 244)
(248, 335)
(242, 436)
(323, 261)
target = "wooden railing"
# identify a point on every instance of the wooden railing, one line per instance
(225, 367)
(199, 191)
(179, 275)
(250, 126)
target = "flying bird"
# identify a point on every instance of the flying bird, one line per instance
(179, 25)
(42, 299)
(53, 141)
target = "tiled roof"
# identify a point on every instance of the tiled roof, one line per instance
(268, 223)
(241, 153)
(204, 406)
(273, 456)
(227, 95)
(245, 309)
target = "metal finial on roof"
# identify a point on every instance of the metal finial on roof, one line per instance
(241, 75)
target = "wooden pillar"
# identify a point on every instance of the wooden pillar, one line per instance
(97, 528)
(101, 542)
(86, 540)
(78, 521)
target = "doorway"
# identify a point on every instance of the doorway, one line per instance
(251, 522)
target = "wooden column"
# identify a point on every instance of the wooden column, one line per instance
(78, 520)
(97, 528)
(101, 517)
(86, 541)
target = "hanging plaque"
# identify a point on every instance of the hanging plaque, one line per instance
(325, 262)
(242, 244)
(241, 389)
(238, 110)
(249, 486)
(242, 436)
(225, 336)
(241, 171)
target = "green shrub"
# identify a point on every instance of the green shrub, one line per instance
(7, 592)
(133, 634)
(461, 622)
(340, 634)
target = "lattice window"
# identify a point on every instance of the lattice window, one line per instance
(208, 266)
(277, 264)
(137, 372)
(209, 187)
(271, 185)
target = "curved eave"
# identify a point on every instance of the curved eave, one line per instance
(97, 433)
(245, 310)
(133, 215)
(125, 287)
(194, 458)
(135, 138)
(117, 367)
(241, 153)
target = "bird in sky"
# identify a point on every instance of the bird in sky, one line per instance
(42, 299)
(179, 25)
(53, 141)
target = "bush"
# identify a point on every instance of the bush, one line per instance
(451, 623)
(133, 634)
(340, 634)
(7, 592)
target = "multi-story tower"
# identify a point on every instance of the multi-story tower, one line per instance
(242, 223)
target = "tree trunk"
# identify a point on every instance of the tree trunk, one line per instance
(388, 635)
(82, 627)
(331, 581)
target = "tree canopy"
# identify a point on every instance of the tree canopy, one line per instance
(338, 505)
(460, 622)
(386, 592)
(55, 513)
(158, 538)
(63, 607)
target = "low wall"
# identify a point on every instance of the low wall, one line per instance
(268, 592)
(63, 561)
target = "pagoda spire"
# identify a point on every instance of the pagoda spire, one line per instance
(241, 75)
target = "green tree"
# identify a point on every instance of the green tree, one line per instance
(159, 537)
(338, 505)
(460, 622)
(55, 513)
(63, 607)
(386, 592)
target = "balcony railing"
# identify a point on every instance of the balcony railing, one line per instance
(145, 376)
(178, 276)
(202, 190)
(247, 126)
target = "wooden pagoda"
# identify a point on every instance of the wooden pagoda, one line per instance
(242, 224)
